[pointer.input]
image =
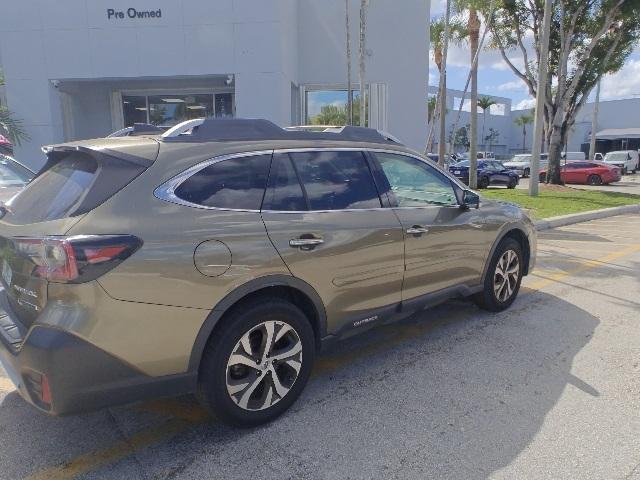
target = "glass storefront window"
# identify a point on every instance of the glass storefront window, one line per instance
(169, 109)
(329, 107)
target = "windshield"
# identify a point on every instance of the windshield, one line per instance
(521, 158)
(12, 173)
(463, 163)
(616, 157)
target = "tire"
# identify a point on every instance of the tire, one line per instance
(624, 170)
(526, 173)
(594, 180)
(222, 386)
(496, 298)
(542, 178)
(483, 182)
(513, 183)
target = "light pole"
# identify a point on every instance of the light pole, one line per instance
(442, 150)
(594, 124)
(540, 101)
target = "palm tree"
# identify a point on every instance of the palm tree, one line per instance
(457, 34)
(523, 121)
(349, 89)
(10, 126)
(363, 50)
(485, 103)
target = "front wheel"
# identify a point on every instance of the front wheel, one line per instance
(512, 183)
(504, 275)
(483, 182)
(594, 180)
(257, 364)
(526, 173)
(543, 178)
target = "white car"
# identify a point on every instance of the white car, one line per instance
(626, 160)
(521, 163)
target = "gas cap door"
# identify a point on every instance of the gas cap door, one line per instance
(212, 258)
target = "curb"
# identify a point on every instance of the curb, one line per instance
(563, 220)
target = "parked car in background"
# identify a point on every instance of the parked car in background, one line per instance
(625, 160)
(587, 173)
(572, 156)
(598, 157)
(6, 147)
(490, 172)
(219, 260)
(521, 163)
(13, 177)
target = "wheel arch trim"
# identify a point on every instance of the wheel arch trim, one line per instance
(504, 232)
(243, 291)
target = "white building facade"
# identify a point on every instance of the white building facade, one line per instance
(84, 68)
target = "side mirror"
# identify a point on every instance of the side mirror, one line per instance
(468, 199)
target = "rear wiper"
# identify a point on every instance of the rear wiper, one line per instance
(4, 209)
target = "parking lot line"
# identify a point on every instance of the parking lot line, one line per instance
(182, 421)
(584, 266)
(6, 385)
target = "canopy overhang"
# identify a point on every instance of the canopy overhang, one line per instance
(618, 133)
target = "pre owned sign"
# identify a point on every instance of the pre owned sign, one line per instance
(113, 14)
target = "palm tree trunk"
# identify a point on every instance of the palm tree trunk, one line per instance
(524, 137)
(363, 46)
(349, 89)
(473, 26)
(443, 87)
(484, 121)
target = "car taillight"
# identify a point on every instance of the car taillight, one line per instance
(76, 259)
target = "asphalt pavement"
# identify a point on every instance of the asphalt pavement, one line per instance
(549, 389)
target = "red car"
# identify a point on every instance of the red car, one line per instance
(588, 173)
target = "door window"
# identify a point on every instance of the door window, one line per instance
(336, 180)
(284, 192)
(237, 184)
(415, 183)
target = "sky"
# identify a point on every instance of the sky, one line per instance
(496, 79)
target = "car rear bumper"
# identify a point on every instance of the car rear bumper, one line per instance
(79, 376)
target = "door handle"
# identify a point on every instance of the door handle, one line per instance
(417, 230)
(305, 242)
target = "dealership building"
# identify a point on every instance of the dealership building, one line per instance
(84, 68)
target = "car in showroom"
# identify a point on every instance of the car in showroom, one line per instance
(521, 163)
(14, 176)
(219, 257)
(586, 173)
(490, 173)
(626, 160)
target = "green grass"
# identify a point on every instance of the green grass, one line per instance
(551, 203)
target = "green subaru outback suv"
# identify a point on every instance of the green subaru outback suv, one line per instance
(218, 257)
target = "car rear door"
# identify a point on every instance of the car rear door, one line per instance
(445, 246)
(324, 215)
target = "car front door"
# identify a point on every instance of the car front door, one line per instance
(324, 215)
(445, 246)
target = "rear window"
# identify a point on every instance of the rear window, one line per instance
(237, 184)
(73, 185)
(57, 192)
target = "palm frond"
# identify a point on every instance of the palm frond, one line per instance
(12, 127)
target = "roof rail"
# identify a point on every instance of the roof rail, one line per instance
(137, 129)
(216, 129)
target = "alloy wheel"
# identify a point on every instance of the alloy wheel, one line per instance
(506, 275)
(264, 365)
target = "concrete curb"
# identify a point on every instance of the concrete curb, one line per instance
(563, 220)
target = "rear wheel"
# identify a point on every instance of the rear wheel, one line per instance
(594, 180)
(543, 177)
(526, 173)
(483, 182)
(257, 364)
(503, 278)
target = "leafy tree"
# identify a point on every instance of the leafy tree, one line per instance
(485, 103)
(461, 138)
(589, 38)
(337, 115)
(523, 121)
(492, 138)
(10, 126)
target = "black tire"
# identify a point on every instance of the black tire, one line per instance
(526, 173)
(594, 180)
(488, 299)
(542, 178)
(513, 183)
(483, 182)
(213, 375)
(624, 170)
